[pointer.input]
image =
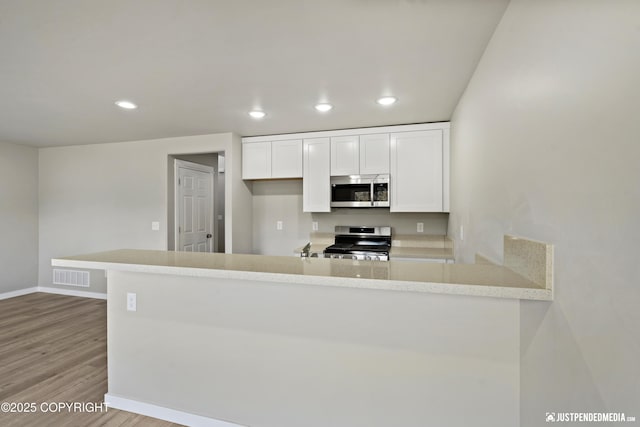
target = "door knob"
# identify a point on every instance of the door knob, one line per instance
(209, 235)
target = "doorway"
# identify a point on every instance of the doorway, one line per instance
(193, 207)
(196, 207)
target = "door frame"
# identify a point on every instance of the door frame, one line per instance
(177, 163)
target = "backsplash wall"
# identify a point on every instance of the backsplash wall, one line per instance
(281, 200)
(401, 222)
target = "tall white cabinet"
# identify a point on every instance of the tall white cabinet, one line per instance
(417, 172)
(316, 190)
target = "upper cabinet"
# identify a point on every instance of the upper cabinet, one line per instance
(360, 154)
(286, 159)
(316, 190)
(272, 159)
(419, 163)
(416, 157)
(256, 160)
(345, 155)
(374, 154)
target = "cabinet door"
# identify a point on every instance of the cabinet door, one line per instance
(316, 191)
(256, 160)
(286, 159)
(345, 159)
(374, 154)
(416, 171)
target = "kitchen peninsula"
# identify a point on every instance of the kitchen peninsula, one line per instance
(262, 340)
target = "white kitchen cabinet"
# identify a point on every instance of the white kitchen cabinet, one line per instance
(374, 154)
(360, 154)
(416, 157)
(345, 155)
(316, 190)
(256, 160)
(416, 171)
(286, 159)
(272, 159)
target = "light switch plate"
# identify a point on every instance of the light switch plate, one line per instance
(314, 225)
(155, 226)
(132, 303)
(279, 225)
(420, 227)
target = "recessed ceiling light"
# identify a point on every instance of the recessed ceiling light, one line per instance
(323, 108)
(127, 105)
(387, 100)
(257, 114)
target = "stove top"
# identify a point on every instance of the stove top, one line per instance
(361, 242)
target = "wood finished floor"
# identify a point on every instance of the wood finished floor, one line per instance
(53, 348)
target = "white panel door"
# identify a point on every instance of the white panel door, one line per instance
(316, 190)
(286, 159)
(194, 210)
(374, 154)
(416, 171)
(345, 158)
(256, 160)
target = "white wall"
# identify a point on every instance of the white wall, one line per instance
(545, 144)
(18, 217)
(103, 197)
(239, 217)
(293, 355)
(279, 200)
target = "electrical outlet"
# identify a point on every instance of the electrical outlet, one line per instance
(155, 226)
(279, 225)
(132, 303)
(314, 225)
(420, 227)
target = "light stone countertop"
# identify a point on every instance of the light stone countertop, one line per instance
(457, 279)
(419, 253)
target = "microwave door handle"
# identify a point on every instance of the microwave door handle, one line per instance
(373, 196)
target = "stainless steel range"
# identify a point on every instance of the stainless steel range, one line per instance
(361, 243)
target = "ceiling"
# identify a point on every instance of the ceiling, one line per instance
(198, 66)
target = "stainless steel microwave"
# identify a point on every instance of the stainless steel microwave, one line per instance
(360, 191)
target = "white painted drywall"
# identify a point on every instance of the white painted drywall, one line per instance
(102, 197)
(238, 196)
(545, 144)
(18, 217)
(291, 355)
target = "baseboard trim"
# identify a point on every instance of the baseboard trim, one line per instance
(48, 290)
(162, 413)
(71, 292)
(18, 293)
